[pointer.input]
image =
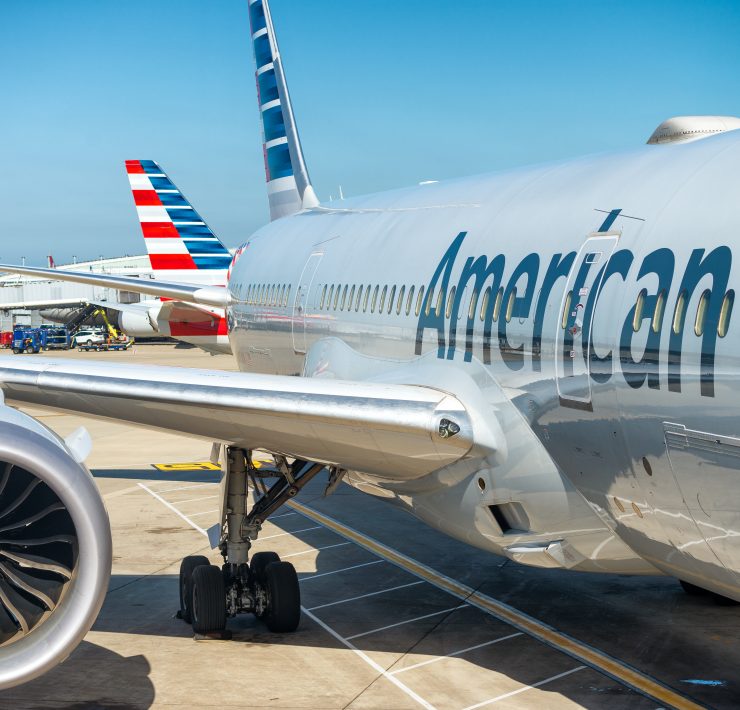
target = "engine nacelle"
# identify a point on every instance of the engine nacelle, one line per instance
(55, 549)
(139, 325)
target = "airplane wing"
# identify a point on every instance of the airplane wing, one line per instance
(216, 296)
(394, 431)
(41, 305)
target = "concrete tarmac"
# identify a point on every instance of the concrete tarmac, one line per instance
(374, 633)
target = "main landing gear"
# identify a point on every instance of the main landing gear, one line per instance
(264, 586)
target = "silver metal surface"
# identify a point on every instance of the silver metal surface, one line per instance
(76, 564)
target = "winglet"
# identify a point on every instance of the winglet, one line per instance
(289, 187)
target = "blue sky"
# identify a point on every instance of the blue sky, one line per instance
(386, 94)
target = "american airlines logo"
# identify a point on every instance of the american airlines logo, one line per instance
(529, 288)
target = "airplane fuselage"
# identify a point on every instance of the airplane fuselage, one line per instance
(596, 294)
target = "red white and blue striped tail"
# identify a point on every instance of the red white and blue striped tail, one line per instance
(181, 246)
(289, 187)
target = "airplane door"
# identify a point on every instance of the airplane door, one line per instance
(300, 304)
(577, 315)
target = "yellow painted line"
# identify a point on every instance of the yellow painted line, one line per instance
(195, 466)
(190, 466)
(539, 630)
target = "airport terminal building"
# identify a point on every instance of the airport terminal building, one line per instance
(25, 299)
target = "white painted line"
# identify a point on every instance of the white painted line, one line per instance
(192, 500)
(282, 515)
(120, 492)
(456, 653)
(292, 532)
(525, 688)
(409, 621)
(174, 510)
(364, 596)
(379, 669)
(205, 512)
(184, 488)
(344, 569)
(315, 549)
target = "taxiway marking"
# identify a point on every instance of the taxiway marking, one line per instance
(375, 666)
(408, 621)
(457, 653)
(365, 596)
(525, 688)
(593, 657)
(173, 509)
(343, 569)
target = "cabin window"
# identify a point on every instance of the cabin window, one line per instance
(344, 298)
(510, 305)
(724, 316)
(419, 300)
(367, 298)
(399, 305)
(440, 303)
(375, 299)
(351, 298)
(497, 304)
(678, 314)
(359, 298)
(428, 306)
(484, 303)
(566, 310)
(273, 295)
(323, 297)
(336, 296)
(382, 299)
(701, 313)
(409, 300)
(450, 302)
(658, 313)
(331, 295)
(639, 308)
(391, 298)
(473, 304)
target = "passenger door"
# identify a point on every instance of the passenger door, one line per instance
(577, 317)
(300, 304)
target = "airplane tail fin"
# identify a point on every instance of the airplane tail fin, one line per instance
(289, 187)
(181, 246)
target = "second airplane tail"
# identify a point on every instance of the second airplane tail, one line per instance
(181, 246)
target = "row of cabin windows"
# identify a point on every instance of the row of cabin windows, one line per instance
(345, 297)
(268, 295)
(656, 322)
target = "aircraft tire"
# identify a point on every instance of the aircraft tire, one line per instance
(257, 566)
(284, 611)
(209, 600)
(187, 567)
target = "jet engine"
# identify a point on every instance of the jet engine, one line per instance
(55, 549)
(139, 324)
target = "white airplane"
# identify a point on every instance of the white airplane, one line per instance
(181, 248)
(540, 362)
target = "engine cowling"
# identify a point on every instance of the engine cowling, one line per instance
(55, 549)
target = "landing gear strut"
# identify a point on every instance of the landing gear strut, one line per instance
(264, 586)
